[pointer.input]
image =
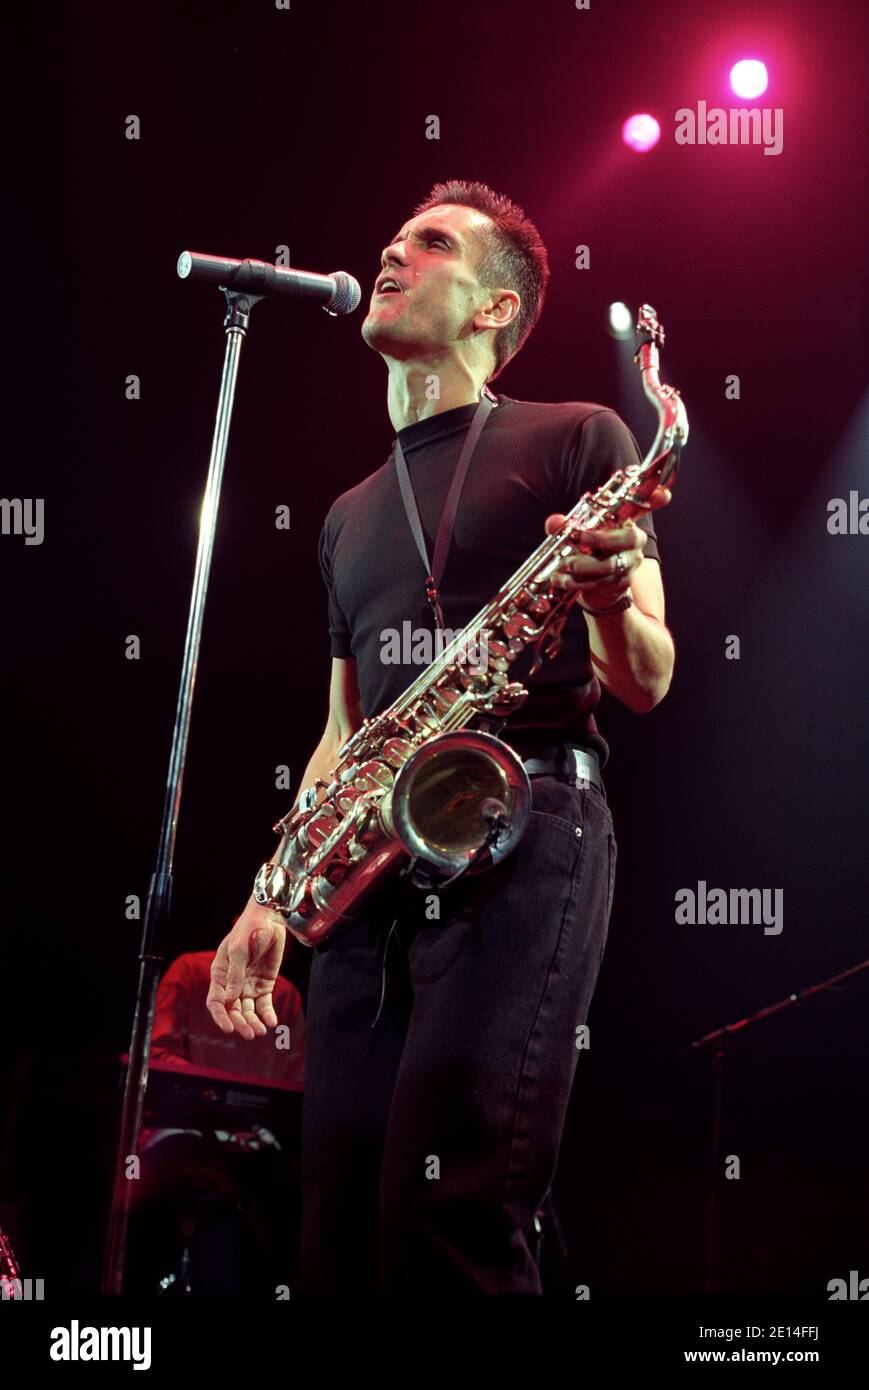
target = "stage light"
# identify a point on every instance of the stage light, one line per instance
(749, 78)
(621, 320)
(641, 132)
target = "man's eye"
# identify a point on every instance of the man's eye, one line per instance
(433, 241)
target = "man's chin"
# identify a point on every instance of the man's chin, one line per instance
(377, 334)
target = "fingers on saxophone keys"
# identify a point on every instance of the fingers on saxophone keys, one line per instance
(582, 571)
(602, 543)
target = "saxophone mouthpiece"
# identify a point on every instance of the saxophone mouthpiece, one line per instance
(649, 329)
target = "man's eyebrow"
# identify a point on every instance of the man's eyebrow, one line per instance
(428, 227)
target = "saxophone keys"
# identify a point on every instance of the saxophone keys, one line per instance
(520, 625)
(319, 828)
(531, 602)
(273, 881)
(374, 776)
(496, 649)
(396, 751)
(461, 676)
(442, 700)
(356, 850)
(345, 800)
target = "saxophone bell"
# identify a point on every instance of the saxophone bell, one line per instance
(456, 793)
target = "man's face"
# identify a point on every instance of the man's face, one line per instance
(433, 260)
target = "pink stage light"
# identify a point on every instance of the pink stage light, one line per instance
(749, 78)
(641, 132)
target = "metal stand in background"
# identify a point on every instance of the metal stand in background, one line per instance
(151, 958)
(718, 1042)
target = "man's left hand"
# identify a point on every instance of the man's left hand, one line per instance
(607, 561)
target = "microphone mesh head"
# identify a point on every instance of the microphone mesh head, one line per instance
(348, 293)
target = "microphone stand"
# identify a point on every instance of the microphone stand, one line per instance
(151, 959)
(718, 1041)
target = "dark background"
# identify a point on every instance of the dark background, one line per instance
(307, 128)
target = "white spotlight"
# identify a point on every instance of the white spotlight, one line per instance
(621, 320)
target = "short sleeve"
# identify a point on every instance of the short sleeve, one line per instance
(600, 446)
(339, 628)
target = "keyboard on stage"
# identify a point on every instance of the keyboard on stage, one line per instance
(188, 1097)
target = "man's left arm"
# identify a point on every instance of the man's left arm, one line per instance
(631, 648)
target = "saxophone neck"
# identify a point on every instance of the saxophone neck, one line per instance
(672, 418)
(650, 339)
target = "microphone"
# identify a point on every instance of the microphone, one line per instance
(339, 293)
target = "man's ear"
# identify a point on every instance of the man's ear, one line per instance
(499, 310)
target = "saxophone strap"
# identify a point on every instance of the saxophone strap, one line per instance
(434, 571)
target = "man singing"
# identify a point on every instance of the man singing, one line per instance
(441, 1050)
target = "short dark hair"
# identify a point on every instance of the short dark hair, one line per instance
(514, 257)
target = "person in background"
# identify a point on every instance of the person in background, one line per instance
(197, 1225)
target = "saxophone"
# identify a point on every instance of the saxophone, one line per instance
(417, 790)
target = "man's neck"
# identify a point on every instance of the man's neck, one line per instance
(409, 393)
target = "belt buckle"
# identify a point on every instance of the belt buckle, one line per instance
(580, 771)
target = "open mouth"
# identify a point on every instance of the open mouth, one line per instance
(388, 286)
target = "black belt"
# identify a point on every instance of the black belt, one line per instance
(579, 766)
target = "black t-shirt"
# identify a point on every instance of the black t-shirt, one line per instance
(531, 459)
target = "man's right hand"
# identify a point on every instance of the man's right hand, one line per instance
(246, 966)
(244, 971)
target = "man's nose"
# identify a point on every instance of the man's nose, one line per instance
(392, 255)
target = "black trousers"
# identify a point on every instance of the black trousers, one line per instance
(430, 1137)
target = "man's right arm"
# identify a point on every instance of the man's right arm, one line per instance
(345, 717)
(246, 966)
